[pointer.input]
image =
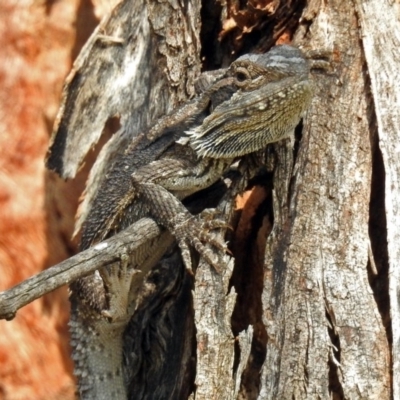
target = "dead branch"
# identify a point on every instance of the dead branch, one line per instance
(77, 266)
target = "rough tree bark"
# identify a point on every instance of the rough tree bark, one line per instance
(309, 306)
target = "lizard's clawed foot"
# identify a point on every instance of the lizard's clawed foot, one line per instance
(195, 231)
(210, 220)
(117, 280)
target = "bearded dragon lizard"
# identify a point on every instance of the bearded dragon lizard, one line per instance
(258, 100)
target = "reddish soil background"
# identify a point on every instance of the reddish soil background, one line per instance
(38, 42)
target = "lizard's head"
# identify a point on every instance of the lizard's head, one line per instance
(280, 62)
(272, 92)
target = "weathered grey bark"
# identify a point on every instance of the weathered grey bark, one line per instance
(325, 334)
(379, 21)
(140, 63)
(303, 311)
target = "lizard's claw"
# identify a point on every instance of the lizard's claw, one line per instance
(195, 231)
(210, 220)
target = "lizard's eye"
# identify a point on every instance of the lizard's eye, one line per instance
(241, 75)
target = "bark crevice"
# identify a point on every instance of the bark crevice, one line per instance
(378, 263)
(377, 229)
(335, 385)
(249, 243)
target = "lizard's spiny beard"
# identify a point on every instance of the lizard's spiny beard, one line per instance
(223, 143)
(249, 121)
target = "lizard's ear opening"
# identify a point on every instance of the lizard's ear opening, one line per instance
(210, 107)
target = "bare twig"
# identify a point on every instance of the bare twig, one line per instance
(75, 267)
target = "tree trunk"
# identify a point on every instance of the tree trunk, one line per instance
(326, 336)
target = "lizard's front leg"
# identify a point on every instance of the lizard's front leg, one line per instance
(161, 193)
